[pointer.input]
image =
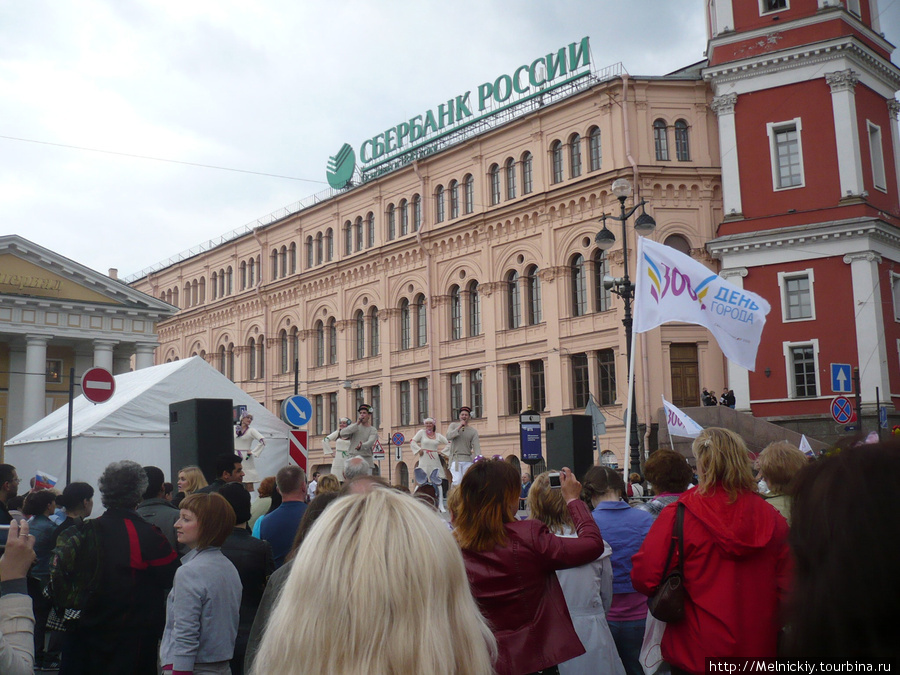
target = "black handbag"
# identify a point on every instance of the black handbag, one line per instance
(667, 604)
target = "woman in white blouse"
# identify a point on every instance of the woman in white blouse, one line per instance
(341, 450)
(427, 445)
(249, 444)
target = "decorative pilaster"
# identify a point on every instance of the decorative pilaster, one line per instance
(724, 106)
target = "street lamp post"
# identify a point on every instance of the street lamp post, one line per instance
(623, 287)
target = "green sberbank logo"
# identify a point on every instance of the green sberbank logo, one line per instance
(340, 167)
(531, 80)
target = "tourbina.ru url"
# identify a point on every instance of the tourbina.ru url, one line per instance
(735, 665)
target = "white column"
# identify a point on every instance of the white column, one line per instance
(894, 109)
(103, 354)
(722, 19)
(16, 384)
(738, 376)
(871, 349)
(144, 356)
(846, 131)
(723, 106)
(34, 398)
(122, 360)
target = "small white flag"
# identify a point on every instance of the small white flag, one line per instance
(680, 424)
(805, 447)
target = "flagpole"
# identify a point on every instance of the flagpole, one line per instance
(631, 414)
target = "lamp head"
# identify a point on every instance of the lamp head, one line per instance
(605, 238)
(644, 223)
(621, 188)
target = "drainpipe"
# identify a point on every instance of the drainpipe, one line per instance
(267, 387)
(635, 178)
(432, 385)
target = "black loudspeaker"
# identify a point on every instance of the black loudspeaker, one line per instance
(570, 442)
(200, 430)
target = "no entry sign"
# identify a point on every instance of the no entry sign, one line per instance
(98, 385)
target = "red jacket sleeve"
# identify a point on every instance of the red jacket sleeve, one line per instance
(648, 563)
(563, 552)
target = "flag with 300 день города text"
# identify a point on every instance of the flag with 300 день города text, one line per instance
(671, 286)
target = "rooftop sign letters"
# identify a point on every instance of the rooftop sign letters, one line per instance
(527, 81)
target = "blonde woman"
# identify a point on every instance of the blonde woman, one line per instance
(327, 484)
(355, 572)
(190, 479)
(341, 449)
(248, 444)
(588, 589)
(428, 445)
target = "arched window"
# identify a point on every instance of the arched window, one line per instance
(494, 175)
(391, 223)
(251, 273)
(295, 346)
(421, 321)
(202, 290)
(244, 274)
(556, 161)
(374, 333)
(370, 229)
(358, 231)
(310, 260)
(679, 243)
(527, 173)
(329, 245)
(220, 360)
(230, 354)
(682, 144)
(175, 297)
(273, 258)
(439, 204)
(510, 178)
(320, 343)
(332, 341)
(251, 359)
(229, 278)
(596, 150)
(292, 256)
(215, 285)
(455, 313)
(261, 348)
(284, 351)
(474, 309)
(221, 293)
(579, 294)
(404, 324)
(348, 238)
(187, 295)
(469, 187)
(575, 156)
(284, 261)
(417, 212)
(360, 320)
(661, 140)
(533, 300)
(514, 313)
(601, 269)
(404, 217)
(320, 245)
(454, 199)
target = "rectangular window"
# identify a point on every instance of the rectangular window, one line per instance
(376, 406)
(455, 394)
(895, 290)
(320, 413)
(358, 399)
(470, 194)
(423, 399)
(802, 369)
(538, 392)
(54, 371)
(766, 6)
(404, 403)
(876, 152)
(527, 175)
(332, 412)
(557, 159)
(476, 393)
(511, 180)
(786, 154)
(580, 385)
(514, 388)
(607, 364)
(853, 7)
(797, 300)
(495, 185)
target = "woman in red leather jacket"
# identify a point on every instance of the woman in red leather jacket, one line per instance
(511, 566)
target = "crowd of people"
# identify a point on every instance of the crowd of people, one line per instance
(355, 576)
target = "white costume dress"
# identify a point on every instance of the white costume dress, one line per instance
(429, 447)
(249, 446)
(588, 592)
(341, 452)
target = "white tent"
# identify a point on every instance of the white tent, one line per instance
(134, 424)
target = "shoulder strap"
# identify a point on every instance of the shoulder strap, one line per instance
(679, 533)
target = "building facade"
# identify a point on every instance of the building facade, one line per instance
(469, 275)
(804, 93)
(56, 314)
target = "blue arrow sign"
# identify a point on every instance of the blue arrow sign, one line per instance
(297, 411)
(841, 382)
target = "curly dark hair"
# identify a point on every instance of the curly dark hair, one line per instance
(36, 502)
(668, 471)
(122, 484)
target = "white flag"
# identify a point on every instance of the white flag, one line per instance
(806, 447)
(680, 424)
(671, 286)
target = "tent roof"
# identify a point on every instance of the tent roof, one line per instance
(140, 405)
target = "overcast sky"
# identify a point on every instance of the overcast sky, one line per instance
(269, 87)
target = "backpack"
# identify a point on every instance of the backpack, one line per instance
(75, 567)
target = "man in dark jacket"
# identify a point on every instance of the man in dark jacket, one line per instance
(122, 567)
(158, 510)
(253, 559)
(229, 469)
(9, 488)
